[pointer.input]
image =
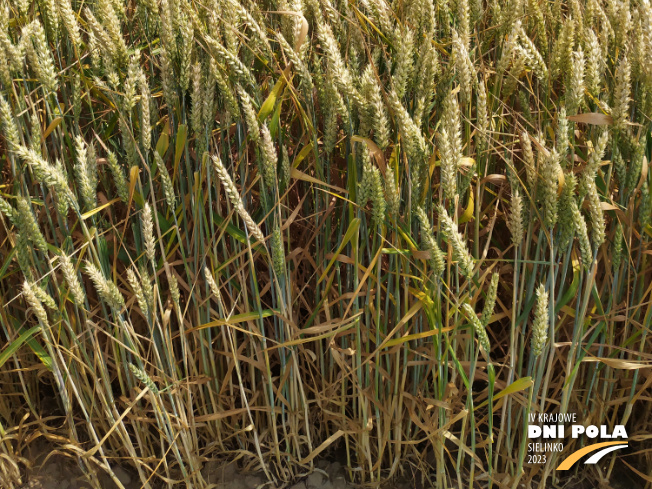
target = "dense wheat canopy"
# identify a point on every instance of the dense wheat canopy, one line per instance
(286, 230)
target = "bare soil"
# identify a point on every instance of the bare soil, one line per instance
(52, 470)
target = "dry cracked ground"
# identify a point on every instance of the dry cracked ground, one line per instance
(61, 473)
(54, 471)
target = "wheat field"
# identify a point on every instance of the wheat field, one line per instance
(280, 231)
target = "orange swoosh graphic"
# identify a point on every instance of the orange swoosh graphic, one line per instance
(575, 456)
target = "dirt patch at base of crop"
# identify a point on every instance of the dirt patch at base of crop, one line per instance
(52, 470)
